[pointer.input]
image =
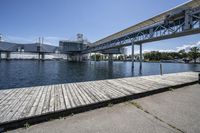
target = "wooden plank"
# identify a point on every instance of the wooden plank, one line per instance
(129, 88)
(66, 97)
(106, 91)
(119, 88)
(77, 94)
(4, 93)
(31, 102)
(22, 106)
(97, 93)
(74, 97)
(52, 97)
(180, 79)
(160, 80)
(137, 86)
(111, 90)
(56, 98)
(145, 83)
(11, 103)
(9, 96)
(18, 102)
(72, 103)
(61, 96)
(115, 90)
(46, 105)
(36, 103)
(83, 94)
(92, 95)
(41, 101)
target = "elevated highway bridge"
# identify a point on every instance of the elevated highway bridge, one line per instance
(180, 21)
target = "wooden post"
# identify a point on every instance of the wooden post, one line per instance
(161, 71)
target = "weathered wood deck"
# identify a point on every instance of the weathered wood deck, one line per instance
(26, 103)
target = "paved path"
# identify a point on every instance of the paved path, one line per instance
(26, 103)
(174, 111)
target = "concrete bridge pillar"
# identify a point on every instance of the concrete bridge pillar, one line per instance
(140, 58)
(90, 56)
(132, 55)
(80, 57)
(95, 56)
(41, 56)
(125, 57)
(7, 55)
(38, 56)
(110, 57)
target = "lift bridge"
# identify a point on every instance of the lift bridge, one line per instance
(180, 21)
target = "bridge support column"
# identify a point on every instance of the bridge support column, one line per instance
(7, 55)
(38, 56)
(132, 56)
(110, 57)
(41, 56)
(95, 57)
(140, 58)
(90, 57)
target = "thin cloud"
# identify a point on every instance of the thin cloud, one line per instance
(187, 47)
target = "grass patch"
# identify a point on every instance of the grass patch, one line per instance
(137, 105)
(26, 125)
(110, 105)
(171, 89)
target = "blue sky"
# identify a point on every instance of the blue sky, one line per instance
(26, 20)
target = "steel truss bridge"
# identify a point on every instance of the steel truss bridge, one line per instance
(180, 21)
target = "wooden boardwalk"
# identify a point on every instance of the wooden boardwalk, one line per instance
(24, 103)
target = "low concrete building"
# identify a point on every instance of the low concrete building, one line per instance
(10, 50)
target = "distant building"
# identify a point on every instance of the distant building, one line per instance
(10, 50)
(71, 47)
(33, 47)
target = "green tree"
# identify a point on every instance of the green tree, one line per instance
(182, 54)
(120, 57)
(194, 53)
(98, 57)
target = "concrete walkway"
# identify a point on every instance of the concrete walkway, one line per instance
(174, 111)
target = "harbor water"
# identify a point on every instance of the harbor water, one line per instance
(27, 73)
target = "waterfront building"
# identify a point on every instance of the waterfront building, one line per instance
(10, 50)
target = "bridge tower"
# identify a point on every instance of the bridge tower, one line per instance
(41, 55)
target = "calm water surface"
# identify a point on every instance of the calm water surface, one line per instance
(24, 73)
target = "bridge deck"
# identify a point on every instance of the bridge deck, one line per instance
(26, 103)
